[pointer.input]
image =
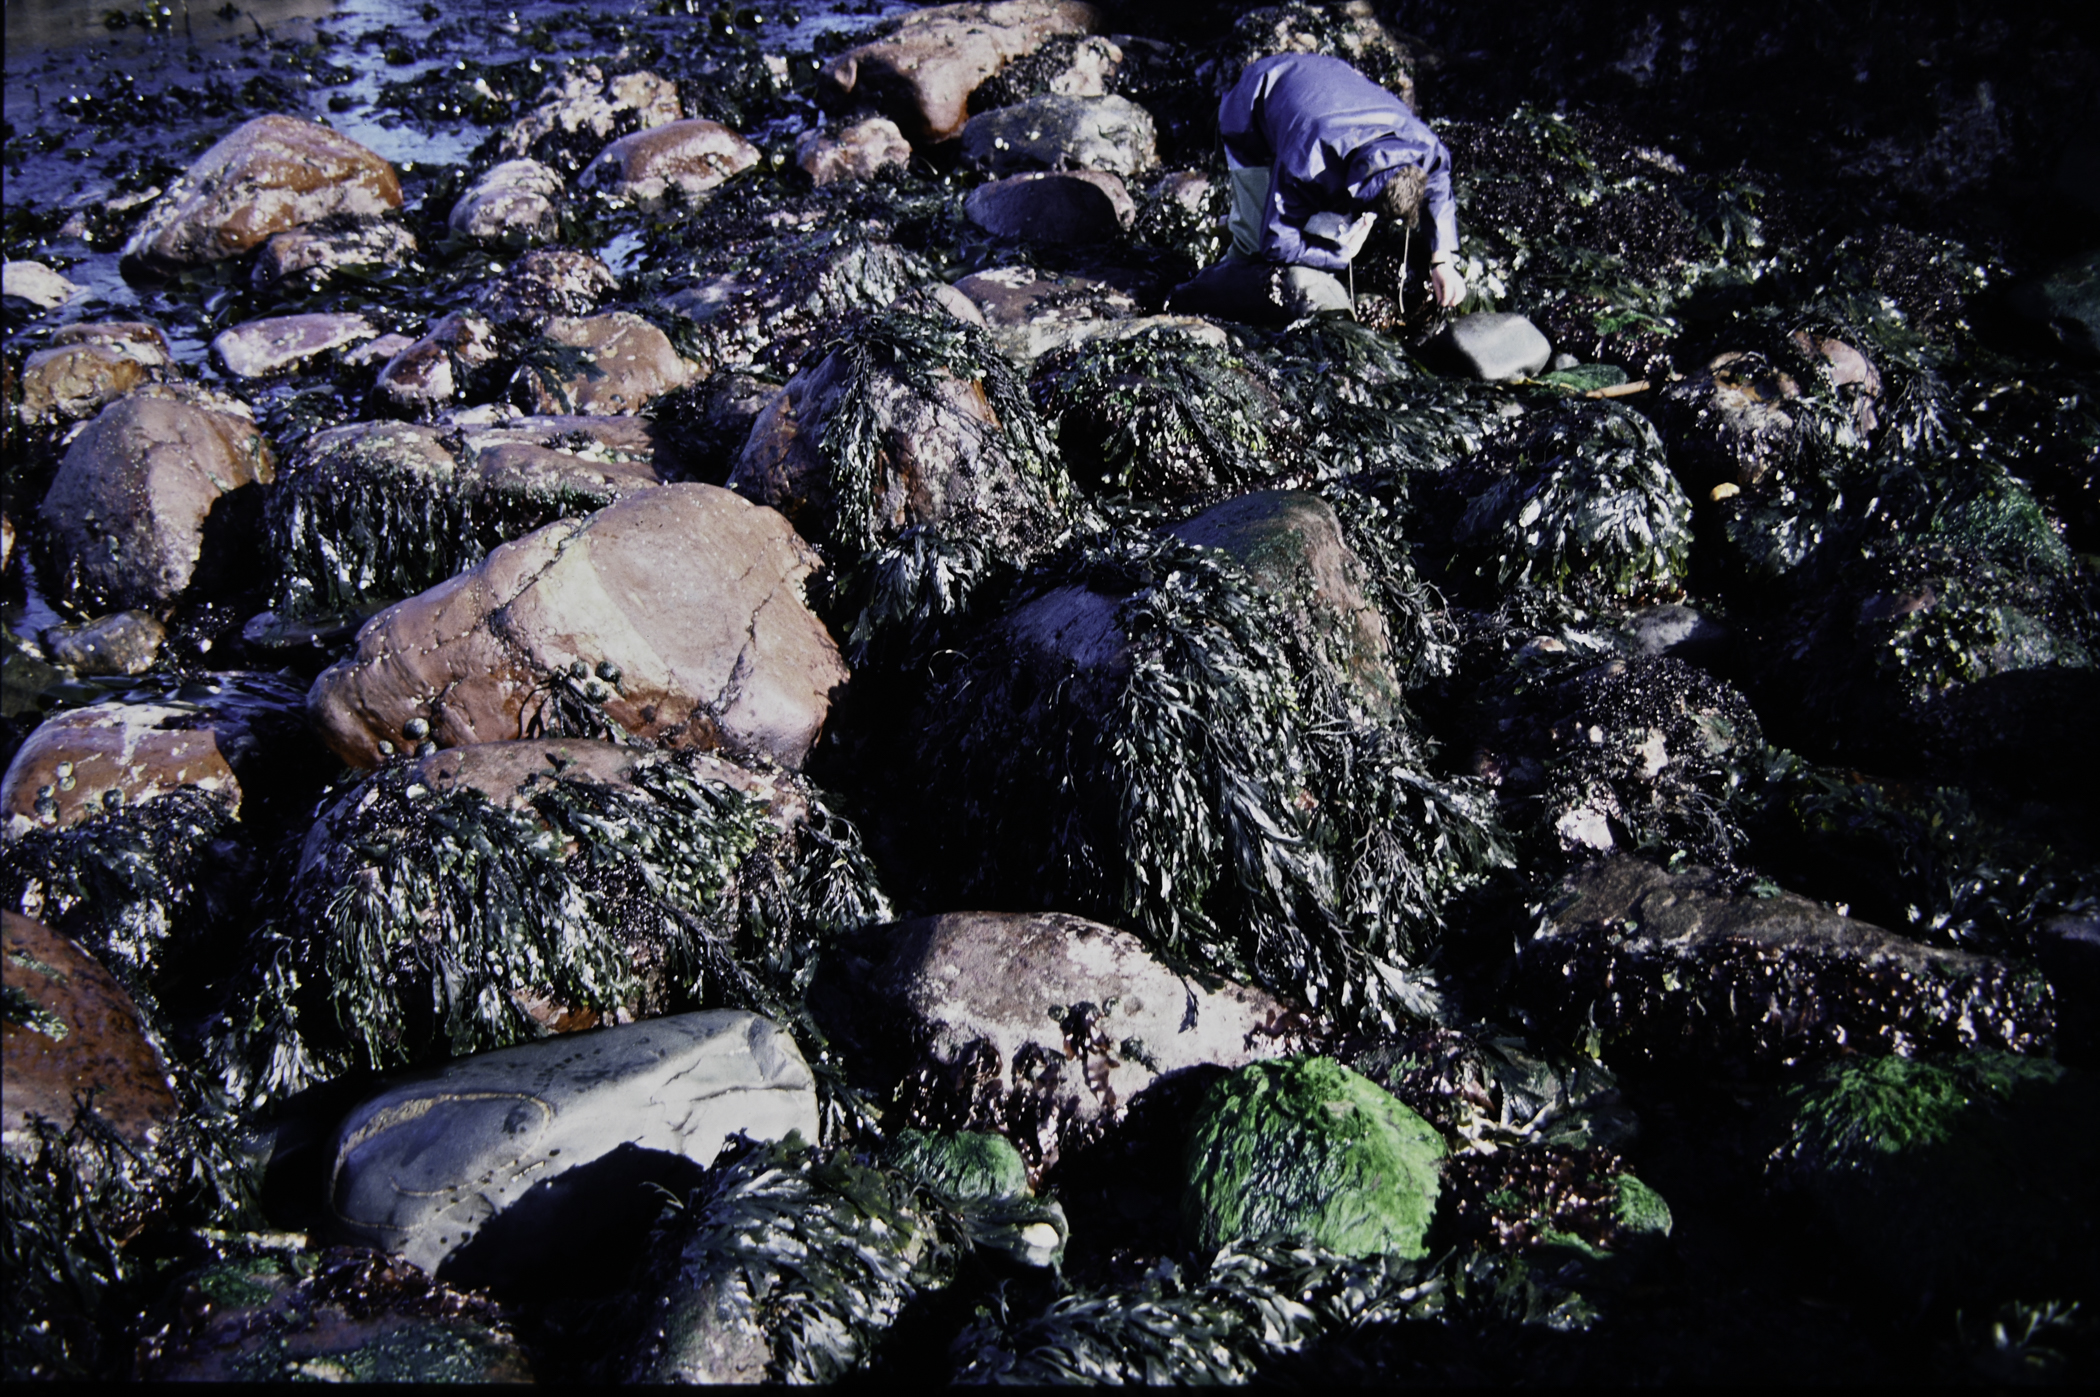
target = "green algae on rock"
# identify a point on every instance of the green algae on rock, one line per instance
(961, 1163)
(1308, 1150)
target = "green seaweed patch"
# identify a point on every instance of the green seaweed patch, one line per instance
(1307, 1149)
(967, 1164)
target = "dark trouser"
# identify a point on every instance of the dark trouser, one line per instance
(1259, 293)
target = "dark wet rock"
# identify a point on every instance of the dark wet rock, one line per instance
(1031, 312)
(1291, 545)
(1351, 32)
(73, 1034)
(1850, 372)
(691, 594)
(1935, 654)
(1184, 212)
(86, 367)
(511, 203)
(700, 430)
(431, 372)
(37, 284)
(1627, 753)
(2067, 304)
(1674, 969)
(545, 283)
(84, 761)
(854, 152)
(378, 511)
(468, 1170)
(1588, 504)
(1162, 412)
(261, 1310)
(1550, 1198)
(775, 304)
(316, 253)
(1676, 630)
(921, 74)
(1305, 1149)
(690, 157)
(1492, 1089)
(1495, 345)
(155, 499)
(1960, 1178)
(2068, 947)
(583, 104)
(1738, 420)
(1063, 208)
(581, 884)
(624, 362)
(915, 421)
(1284, 815)
(272, 174)
(1066, 65)
(1037, 1025)
(1062, 133)
(259, 348)
(790, 1265)
(126, 642)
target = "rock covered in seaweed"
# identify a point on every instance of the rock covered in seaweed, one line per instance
(156, 498)
(1056, 132)
(674, 615)
(269, 175)
(1038, 1025)
(1651, 962)
(507, 1162)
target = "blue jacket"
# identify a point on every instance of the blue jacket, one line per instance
(1331, 138)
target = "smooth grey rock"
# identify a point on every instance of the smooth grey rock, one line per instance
(259, 348)
(1054, 132)
(857, 152)
(1496, 345)
(427, 1166)
(1065, 207)
(124, 643)
(317, 252)
(37, 284)
(1675, 967)
(1013, 992)
(515, 201)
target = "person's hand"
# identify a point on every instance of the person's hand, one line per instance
(1449, 285)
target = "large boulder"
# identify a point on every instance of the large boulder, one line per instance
(1039, 1025)
(690, 594)
(1062, 133)
(1060, 208)
(1674, 968)
(265, 176)
(156, 497)
(514, 201)
(690, 156)
(84, 761)
(72, 1033)
(485, 1166)
(921, 74)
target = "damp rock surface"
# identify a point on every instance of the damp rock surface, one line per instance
(430, 1167)
(923, 72)
(1056, 132)
(855, 152)
(1056, 207)
(511, 201)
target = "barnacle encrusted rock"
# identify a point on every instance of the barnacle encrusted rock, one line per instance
(1307, 1149)
(335, 242)
(626, 362)
(85, 760)
(1054, 132)
(1038, 1024)
(265, 176)
(514, 201)
(84, 367)
(257, 348)
(142, 492)
(436, 1165)
(690, 156)
(1670, 967)
(689, 594)
(922, 73)
(856, 152)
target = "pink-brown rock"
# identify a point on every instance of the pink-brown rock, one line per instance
(86, 367)
(631, 362)
(1066, 207)
(679, 612)
(922, 73)
(259, 348)
(857, 152)
(691, 156)
(266, 176)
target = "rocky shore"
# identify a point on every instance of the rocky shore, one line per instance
(662, 722)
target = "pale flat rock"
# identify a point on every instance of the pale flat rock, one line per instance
(1030, 313)
(432, 1164)
(693, 594)
(267, 175)
(922, 73)
(37, 284)
(515, 201)
(259, 348)
(1496, 345)
(691, 156)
